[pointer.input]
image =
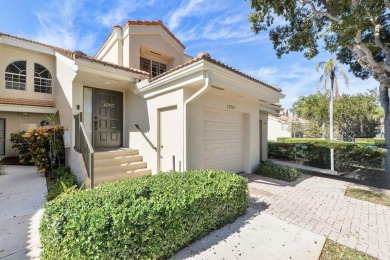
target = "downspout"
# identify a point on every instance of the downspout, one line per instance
(204, 89)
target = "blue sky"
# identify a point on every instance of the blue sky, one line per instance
(219, 27)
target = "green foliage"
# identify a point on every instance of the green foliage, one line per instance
(372, 141)
(63, 182)
(300, 140)
(145, 218)
(317, 154)
(284, 173)
(21, 144)
(337, 23)
(46, 146)
(355, 116)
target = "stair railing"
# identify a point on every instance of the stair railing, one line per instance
(83, 145)
(146, 138)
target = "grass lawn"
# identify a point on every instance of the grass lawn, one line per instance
(370, 196)
(333, 250)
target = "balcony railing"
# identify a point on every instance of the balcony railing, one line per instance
(83, 145)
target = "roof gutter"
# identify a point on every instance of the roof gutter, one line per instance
(200, 92)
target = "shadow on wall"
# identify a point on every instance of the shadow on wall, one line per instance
(138, 115)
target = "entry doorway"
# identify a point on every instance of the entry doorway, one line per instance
(103, 117)
(168, 143)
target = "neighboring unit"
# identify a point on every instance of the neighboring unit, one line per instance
(140, 106)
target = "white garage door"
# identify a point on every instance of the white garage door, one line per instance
(223, 141)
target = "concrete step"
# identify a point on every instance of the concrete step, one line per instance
(99, 155)
(124, 167)
(118, 176)
(107, 162)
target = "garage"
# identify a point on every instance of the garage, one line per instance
(223, 140)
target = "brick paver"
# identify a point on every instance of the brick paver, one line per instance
(319, 205)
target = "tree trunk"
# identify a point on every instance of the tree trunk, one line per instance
(384, 99)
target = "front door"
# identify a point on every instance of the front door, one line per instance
(169, 139)
(107, 118)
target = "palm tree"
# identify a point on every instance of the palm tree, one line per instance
(331, 69)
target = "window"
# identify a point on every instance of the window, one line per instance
(15, 75)
(42, 79)
(153, 67)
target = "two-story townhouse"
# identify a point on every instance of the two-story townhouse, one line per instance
(142, 106)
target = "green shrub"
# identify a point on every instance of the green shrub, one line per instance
(63, 180)
(145, 218)
(284, 173)
(318, 154)
(46, 146)
(20, 143)
(370, 140)
(299, 140)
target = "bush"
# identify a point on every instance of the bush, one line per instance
(151, 217)
(46, 146)
(63, 181)
(20, 143)
(318, 154)
(284, 173)
(373, 141)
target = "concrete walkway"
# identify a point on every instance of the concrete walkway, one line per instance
(22, 195)
(292, 221)
(319, 205)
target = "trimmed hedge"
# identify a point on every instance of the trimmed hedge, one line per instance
(145, 218)
(284, 173)
(318, 154)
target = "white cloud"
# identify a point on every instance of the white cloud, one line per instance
(57, 26)
(300, 80)
(119, 12)
(192, 8)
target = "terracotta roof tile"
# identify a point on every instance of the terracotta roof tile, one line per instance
(159, 23)
(27, 102)
(216, 63)
(77, 55)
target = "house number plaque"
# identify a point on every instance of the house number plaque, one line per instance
(231, 107)
(108, 105)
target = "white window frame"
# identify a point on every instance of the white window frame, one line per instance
(15, 81)
(41, 84)
(161, 67)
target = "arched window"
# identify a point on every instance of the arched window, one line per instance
(15, 75)
(42, 79)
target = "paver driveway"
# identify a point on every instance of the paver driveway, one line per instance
(319, 205)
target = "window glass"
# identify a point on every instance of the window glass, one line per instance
(153, 67)
(42, 79)
(15, 75)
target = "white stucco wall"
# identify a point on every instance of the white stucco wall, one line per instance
(277, 128)
(251, 150)
(16, 122)
(9, 54)
(263, 117)
(144, 112)
(125, 47)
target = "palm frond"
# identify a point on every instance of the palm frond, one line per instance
(336, 87)
(341, 71)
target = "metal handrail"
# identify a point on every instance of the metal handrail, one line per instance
(146, 138)
(91, 155)
(86, 150)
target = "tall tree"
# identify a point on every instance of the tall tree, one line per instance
(330, 71)
(358, 32)
(356, 116)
